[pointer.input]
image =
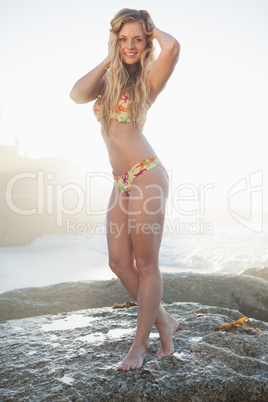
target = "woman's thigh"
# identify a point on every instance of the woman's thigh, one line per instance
(118, 236)
(146, 214)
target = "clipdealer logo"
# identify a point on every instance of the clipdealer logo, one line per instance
(249, 191)
(184, 200)
(50, 198)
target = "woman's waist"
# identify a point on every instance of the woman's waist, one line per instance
(122, 163)
(125, 153)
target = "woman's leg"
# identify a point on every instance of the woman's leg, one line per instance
(121, 257)
(146, 218)
(121, 261)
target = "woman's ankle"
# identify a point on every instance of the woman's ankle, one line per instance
(140, 345)
(162, 317)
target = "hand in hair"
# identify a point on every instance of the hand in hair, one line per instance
(112, 38)
(151, 24)
(148, 20)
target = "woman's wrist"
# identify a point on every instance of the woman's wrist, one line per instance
(155, 32)
(106, 63)
(165, 40)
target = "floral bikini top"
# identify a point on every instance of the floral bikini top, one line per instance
(120, 114)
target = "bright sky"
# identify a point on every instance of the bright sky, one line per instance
(209, 124)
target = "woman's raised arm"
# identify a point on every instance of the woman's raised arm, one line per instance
(90, 85)
(164, 65)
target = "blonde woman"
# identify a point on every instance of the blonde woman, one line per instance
(124, 85)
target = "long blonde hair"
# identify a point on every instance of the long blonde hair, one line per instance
(119, 81)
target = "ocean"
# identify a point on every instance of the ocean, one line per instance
(54, 259)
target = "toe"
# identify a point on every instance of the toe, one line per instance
(121, 366)
(135, 366)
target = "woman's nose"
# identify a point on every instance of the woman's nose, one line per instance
(130, 44)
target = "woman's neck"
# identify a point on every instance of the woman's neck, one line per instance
(131, 68)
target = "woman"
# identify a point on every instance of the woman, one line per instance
(124, 85)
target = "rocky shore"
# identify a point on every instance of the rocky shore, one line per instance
(73, 357)
(247, 294)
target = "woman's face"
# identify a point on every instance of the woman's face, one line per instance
(132, 42)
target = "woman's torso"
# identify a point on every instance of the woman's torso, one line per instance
(126, 145)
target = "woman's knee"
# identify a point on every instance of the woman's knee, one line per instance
(146, 267)
(119, 263)
(113, 263)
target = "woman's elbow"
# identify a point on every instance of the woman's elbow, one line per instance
(73, 96)
(176, 48)
(173, 49)
(77, 98)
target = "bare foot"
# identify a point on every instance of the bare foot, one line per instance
(166, 332)
(134, 359)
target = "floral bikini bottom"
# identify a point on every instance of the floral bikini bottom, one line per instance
(124, 181)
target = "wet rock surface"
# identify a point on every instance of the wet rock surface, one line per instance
(73, 357)
(247, 294)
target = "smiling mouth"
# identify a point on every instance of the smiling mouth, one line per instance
(130, 54)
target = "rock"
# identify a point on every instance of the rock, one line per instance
(246, 294)
(74, 356)
(257, 272)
